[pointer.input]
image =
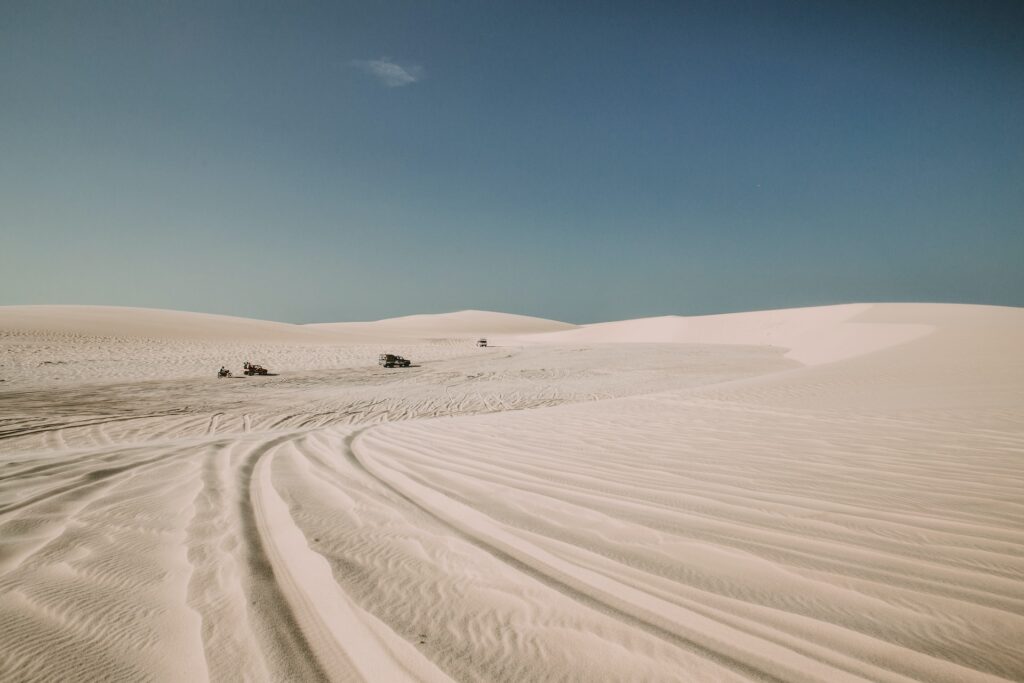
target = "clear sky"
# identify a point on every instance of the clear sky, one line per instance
(323, 161)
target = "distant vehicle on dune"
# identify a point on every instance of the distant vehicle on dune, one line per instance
(390, 360)
(253, 369)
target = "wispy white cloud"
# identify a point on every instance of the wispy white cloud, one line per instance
(388, 72)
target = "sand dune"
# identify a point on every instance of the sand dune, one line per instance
(150, 323)
(810, 335)
(807, 495)
(123, 322)
(458, 324)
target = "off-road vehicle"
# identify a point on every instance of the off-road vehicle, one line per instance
(390, 360)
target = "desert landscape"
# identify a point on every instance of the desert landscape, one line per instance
(512, 342)
(816, 494)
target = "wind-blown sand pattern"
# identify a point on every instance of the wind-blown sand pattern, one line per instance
(824, 494)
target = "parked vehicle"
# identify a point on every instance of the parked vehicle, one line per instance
(390, 360)
(253, 369)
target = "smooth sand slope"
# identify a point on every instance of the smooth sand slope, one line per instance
(144, 323)
(809, 335)
(810, 495)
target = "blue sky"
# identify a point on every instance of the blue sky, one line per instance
(581, 161)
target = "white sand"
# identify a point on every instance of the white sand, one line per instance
(822, 494)
(460, 324)
(55, 345)
(809, 335)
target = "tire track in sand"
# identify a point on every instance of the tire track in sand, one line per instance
(565, 579)
(347, 642)
(300, 623)
(287, 653)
